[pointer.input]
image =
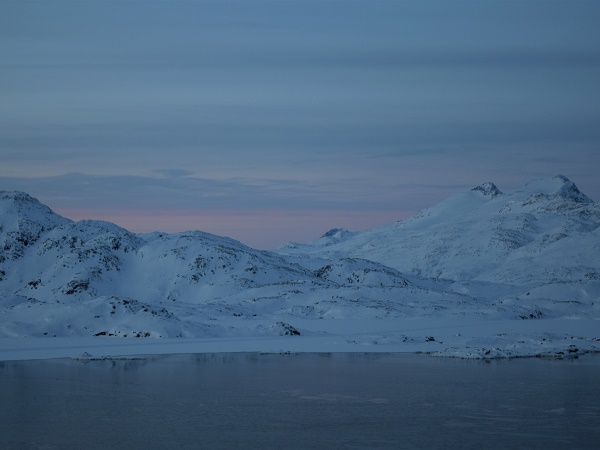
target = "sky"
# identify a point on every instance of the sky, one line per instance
(274, 121)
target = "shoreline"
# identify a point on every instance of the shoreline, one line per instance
(485, 340)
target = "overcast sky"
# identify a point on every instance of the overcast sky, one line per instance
(273, 121)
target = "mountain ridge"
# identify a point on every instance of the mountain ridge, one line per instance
(483, 254)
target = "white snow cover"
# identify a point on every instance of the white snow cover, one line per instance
(483, 274)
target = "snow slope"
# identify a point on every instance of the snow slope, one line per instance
(482, 274)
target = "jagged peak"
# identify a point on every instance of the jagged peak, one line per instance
(557, 186)
(571, 191)
(489, 189)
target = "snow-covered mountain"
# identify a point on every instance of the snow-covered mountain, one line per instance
(97, 270)
(545, 232)
(482, 254)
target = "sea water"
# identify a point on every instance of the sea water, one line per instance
(300, 401)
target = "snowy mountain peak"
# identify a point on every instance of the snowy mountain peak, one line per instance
(557, 186)
(22, 221)
(489, 189)
(20, 205)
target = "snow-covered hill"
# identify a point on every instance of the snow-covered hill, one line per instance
(479, 257)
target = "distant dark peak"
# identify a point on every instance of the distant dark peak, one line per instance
(488, 189)
(336, 232)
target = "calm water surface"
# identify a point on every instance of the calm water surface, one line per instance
(300, 401)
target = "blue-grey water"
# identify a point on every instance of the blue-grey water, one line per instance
(300, 401)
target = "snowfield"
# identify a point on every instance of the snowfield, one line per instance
(482, 274)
